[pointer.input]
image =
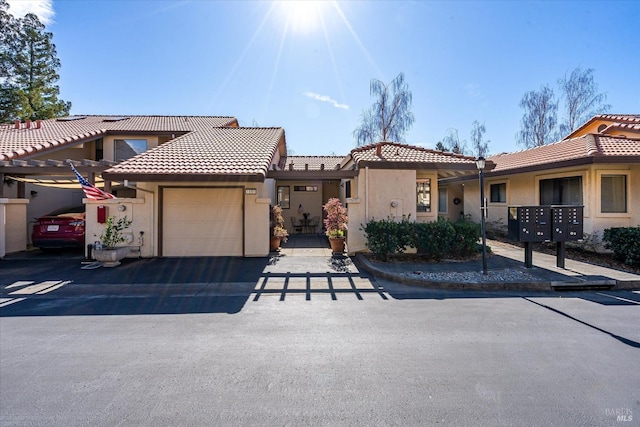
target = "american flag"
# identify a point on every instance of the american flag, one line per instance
(90, 190)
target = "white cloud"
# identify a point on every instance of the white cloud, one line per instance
(325, 98)
(41, 8)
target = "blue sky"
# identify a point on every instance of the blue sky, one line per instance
(308, 69)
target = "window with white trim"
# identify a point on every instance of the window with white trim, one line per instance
(423, 195)
(561, 191)
(127, 148)
(613, 193)
(498, 192)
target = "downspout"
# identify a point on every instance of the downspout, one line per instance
(366, 194)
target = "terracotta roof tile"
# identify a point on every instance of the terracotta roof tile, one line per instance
(16, 143)
(313, 162)
(629, 121)
(393, 152)
(584, 147)
(216, 151)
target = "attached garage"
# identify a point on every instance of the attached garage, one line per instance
(203, 221)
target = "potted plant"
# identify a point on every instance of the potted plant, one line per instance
(107, 250)
(279, 233)
(336, 224)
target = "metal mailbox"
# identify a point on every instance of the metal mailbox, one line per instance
(560, 224)
(568, 223)
(529, 223)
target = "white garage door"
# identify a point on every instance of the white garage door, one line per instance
(202, 222)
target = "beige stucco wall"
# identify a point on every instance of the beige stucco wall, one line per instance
(311, 201)
(523, 189)
(386, 193)
(137, 210)
(144, 209)
(13, 224)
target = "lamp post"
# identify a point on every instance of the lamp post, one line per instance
(480, 164)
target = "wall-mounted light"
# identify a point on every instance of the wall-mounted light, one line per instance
(34, 193)
(394, 203)
(122, 208)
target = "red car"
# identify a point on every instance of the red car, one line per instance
(62, 228)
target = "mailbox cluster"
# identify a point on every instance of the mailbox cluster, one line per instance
(545, 224)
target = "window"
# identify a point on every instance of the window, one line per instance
(283, 197)
(127, 148)
(601, 128)
(423, 193)
(613, 194)
(305, 188)
(561, 191)
(498, 193)
(347, 189)
(442, 200)
(99, 149)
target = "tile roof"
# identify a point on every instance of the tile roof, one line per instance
(204, 153)
(633, 127)
(53, 133)
(313, 163)
(402, 153)
(631, 120)
(585, 149)
(624, 118)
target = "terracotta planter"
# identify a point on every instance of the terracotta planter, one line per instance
(274, 243)
(111, 257)
(337, 244)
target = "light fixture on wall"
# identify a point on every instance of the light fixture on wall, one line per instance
(122, 208)
(34, 193)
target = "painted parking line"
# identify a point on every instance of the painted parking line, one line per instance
(40, 288)
(8, 301)
(19, 284)
(619, 298)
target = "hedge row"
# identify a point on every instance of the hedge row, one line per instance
(437, 240)
(625, 244)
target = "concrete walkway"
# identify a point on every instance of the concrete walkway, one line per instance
(573, 269)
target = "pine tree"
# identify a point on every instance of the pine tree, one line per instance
(30, 65)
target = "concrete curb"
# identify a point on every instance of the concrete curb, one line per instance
(542, 285)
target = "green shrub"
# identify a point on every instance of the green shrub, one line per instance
(437, 240)
(434, 239)
(625, 244)
(467, 235)
(384, 237)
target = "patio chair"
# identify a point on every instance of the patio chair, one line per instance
(314, 223)
(296, 226)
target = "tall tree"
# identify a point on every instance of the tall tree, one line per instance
(581, 99)
(440, 146)
(30, 66)
(8, 39)
(479, 146)
(538, 123)
(390, 117)
(452, 142)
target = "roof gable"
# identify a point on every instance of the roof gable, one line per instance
(204, 155)
(391, 152)
(611, 121)
(584, 149)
